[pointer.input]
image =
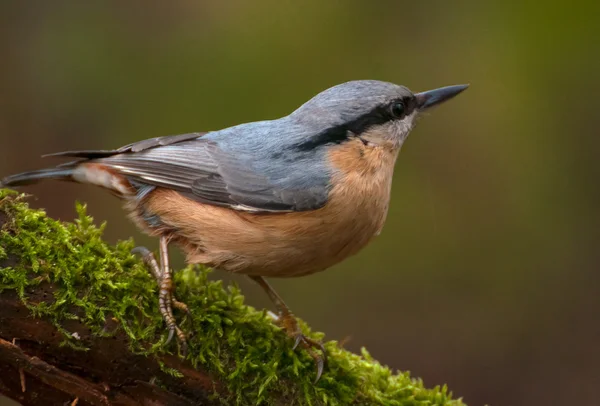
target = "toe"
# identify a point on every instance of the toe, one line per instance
(182, 306)
(315, 349)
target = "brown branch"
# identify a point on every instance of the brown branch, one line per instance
(105, 374)
(49, 375)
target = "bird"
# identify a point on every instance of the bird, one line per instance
(277, 198)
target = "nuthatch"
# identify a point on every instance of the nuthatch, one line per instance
(279, 198)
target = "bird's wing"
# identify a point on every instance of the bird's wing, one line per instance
(202, 170)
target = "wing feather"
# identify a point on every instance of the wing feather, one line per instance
(203, 171)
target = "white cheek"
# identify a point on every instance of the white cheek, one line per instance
(403, 127)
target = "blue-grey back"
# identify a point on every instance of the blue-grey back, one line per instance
(275, 165)
(278, 148)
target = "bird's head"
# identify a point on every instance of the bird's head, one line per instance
(379, 113)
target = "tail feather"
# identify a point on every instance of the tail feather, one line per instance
(27, 178)
(87, 154)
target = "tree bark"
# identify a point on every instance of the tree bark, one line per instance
(35, 369)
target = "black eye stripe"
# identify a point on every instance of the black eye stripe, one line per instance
(379, 115)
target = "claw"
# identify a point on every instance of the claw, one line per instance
(182, 342)
(290, 324)
(321, 361)
(299, 339)
(309, 344)
(141, 251)
(170, 337)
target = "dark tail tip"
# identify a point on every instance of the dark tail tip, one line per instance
(27, 178)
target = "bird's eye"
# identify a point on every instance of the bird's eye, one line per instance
(397, 109)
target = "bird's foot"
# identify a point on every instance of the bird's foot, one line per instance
(166, 299)
(166, 302)
(290, 324)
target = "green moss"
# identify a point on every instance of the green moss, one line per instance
(235, 342)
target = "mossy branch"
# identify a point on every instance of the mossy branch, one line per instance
(79, 322)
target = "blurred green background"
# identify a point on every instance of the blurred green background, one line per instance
(486, 274)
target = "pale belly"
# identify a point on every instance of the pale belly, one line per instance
(273, 245)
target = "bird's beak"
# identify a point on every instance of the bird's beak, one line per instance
(433, 97)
